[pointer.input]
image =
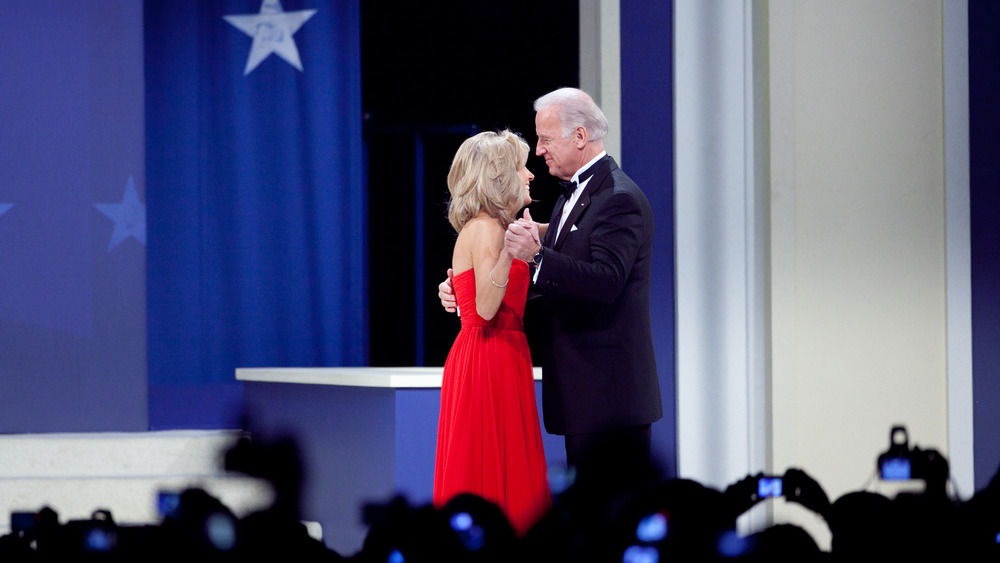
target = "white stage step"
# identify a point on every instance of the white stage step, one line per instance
(76, 474)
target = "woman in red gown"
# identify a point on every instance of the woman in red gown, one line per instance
(489, 440)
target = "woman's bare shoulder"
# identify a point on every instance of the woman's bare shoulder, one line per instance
(482, 225)
(480, 230)
(480, 234)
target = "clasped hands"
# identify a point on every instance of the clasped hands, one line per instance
(521, 240)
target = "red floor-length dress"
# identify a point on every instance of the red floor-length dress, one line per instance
(489, 441)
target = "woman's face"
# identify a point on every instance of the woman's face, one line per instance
(526, 178)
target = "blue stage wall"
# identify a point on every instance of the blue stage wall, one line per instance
(648, 158)
(72, 217)
(984, 181)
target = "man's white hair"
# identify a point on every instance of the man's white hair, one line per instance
(576, 109)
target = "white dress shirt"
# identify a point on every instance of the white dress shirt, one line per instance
(571, 202)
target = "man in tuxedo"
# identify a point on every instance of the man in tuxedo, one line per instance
(591, 267)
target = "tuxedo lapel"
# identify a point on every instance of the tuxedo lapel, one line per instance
(550, 234)
(602, 170)
(574, 214)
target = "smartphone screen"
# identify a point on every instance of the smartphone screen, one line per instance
(769, 487)
(167, 503)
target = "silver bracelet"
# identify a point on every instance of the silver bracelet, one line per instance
(496, 284)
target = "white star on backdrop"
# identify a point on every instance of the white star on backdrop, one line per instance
(5, 207)
(272, 31)
(129, 217)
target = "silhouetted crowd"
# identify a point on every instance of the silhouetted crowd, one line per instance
(606, 512)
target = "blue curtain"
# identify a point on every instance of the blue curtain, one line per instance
(255, 199)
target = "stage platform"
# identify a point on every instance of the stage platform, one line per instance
(78, 473)
(366, 434)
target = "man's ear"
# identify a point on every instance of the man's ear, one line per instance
(580, 137)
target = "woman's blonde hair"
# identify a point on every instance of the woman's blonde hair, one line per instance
(484, 177)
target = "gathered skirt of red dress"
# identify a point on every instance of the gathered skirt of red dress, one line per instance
(489, 440)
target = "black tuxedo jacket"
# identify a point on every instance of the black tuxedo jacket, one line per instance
(598, 368)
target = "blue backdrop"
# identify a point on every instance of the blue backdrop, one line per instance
(984, 198)
(72, 231)
(648, 157)
(256, 197)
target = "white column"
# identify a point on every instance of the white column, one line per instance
(600, 66)
(721, 283)
(956, 164)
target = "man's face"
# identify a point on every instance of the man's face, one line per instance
(559, 152)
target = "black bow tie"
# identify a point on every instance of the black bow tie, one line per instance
(568, 188)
